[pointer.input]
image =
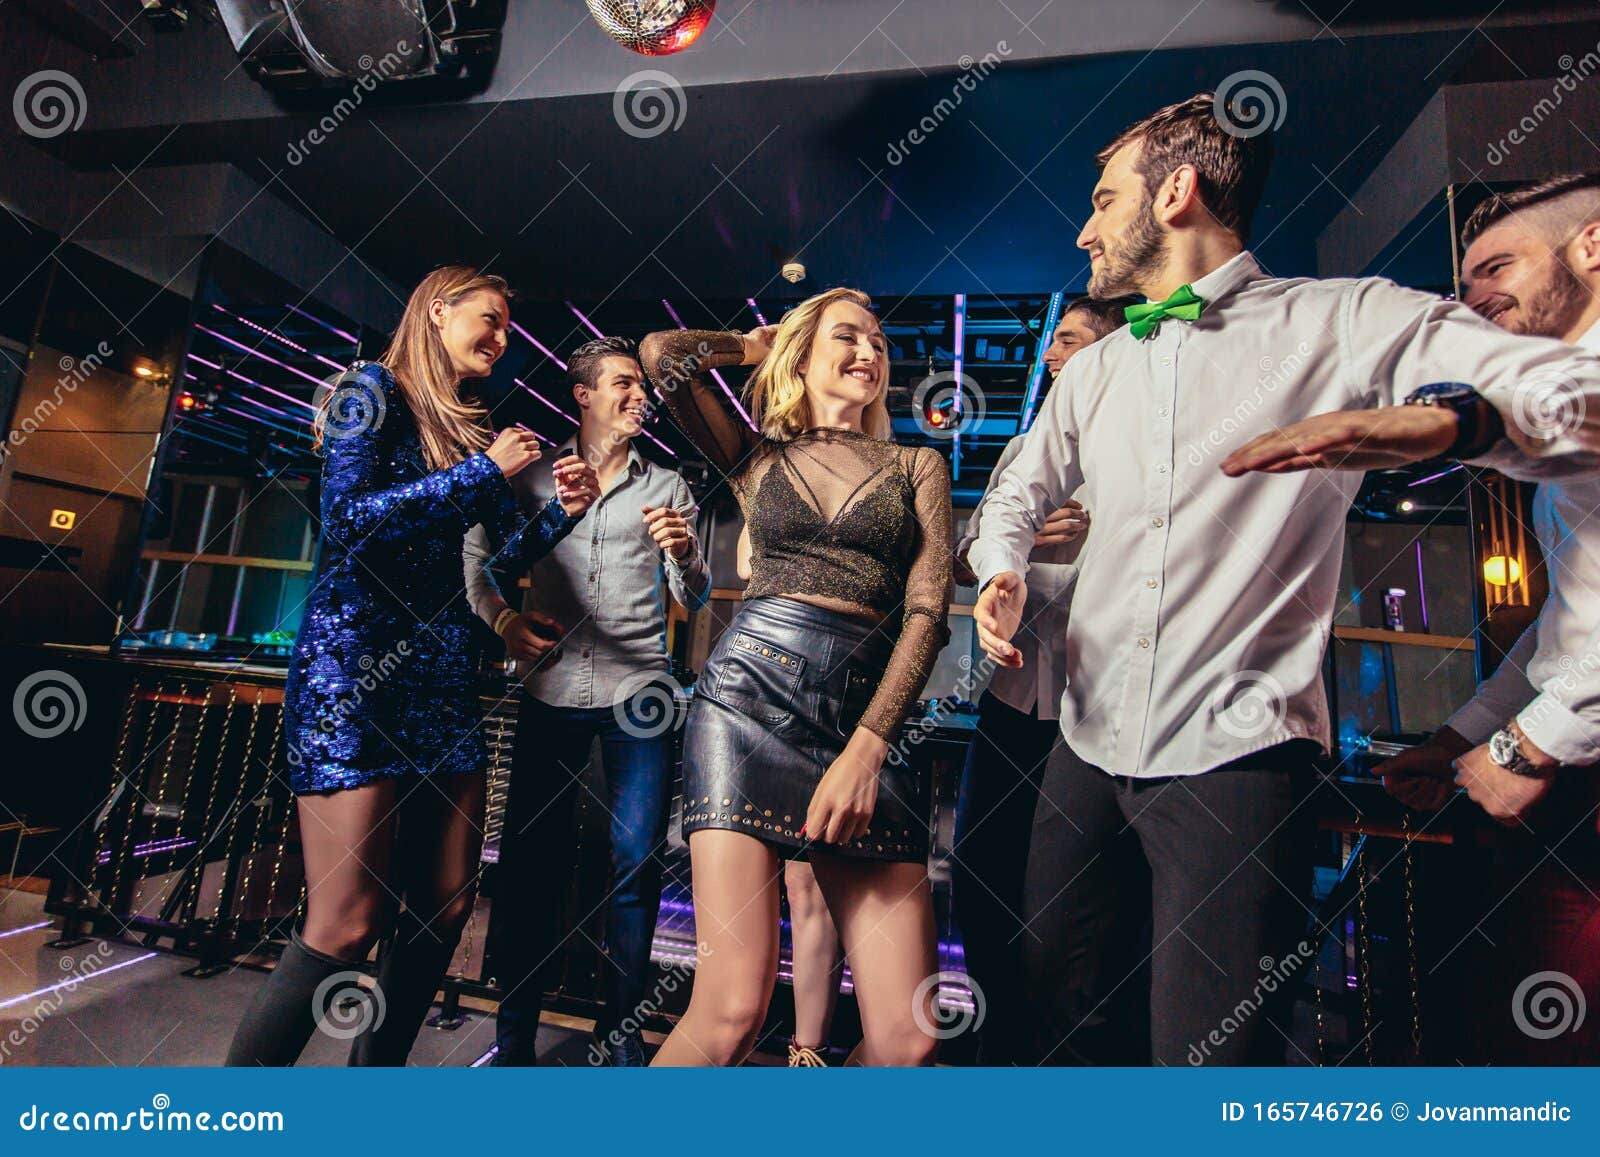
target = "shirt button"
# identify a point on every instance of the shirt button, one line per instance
(1166, 361)
(1162, 411)
(1145, 643)
(1158, 522)
(1161, 468)
(1151, 583)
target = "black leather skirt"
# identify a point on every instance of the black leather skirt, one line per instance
(783, 689)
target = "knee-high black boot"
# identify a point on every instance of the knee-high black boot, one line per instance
(289, 1006)
(411, 966)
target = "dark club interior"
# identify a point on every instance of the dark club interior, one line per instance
(214, 208)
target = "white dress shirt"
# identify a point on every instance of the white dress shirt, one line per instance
(1550, 680)
(1204, 603)
(1035, 686)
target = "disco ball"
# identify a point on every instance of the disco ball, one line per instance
(653, 27)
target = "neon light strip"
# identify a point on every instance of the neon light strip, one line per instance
(1422, 587)
(539, 345)
(961, 349)
(349, 337)
(316, 381)
(1435, 477)
(545, 400)
(26, 928)
(756, 309)
(249, 417)
(594, 329)
(279, 336)
(1036, 375)
(76, 980)
(194, 357)
(294, 345)
(243, 397)
(678, 321)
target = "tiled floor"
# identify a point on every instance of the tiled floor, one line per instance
(114, 1003)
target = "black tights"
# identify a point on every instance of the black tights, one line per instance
(368, 849)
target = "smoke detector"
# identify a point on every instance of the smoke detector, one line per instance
(793, 272)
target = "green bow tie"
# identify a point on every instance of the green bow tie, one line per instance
(1185, 305)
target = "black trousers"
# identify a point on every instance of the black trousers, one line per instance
(1219, 863)
(994, 818)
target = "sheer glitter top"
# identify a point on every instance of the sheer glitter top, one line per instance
(836, 518)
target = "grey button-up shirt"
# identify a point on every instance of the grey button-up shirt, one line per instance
(605, 583)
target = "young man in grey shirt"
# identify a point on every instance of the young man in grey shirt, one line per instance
(591, 638)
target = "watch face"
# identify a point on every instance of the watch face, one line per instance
(1502, 747)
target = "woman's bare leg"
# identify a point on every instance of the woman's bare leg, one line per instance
(347, 839)
(436, 861)
(818, 963)
(735, 879)
(884, 912)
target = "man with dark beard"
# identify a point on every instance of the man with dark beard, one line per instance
(1194, 707)
(1532, 266)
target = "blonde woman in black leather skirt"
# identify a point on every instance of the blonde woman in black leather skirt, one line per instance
(787, 750)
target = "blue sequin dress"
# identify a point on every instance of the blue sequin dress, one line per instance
(383, 680)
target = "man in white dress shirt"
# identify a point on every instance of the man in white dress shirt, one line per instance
(1532, 266)
(1194, 706)
(1016, 729)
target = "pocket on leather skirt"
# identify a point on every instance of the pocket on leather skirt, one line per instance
(783, 689)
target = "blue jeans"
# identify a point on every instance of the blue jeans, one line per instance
(537, 857)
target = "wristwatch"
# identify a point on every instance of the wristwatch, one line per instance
(1478, 424)
(1505, 750)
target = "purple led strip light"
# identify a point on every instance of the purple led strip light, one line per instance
(73, 981)
(547, 352)
(349, 337)
(194, 357)
(25, 928)
(272, 333)
(315, 381)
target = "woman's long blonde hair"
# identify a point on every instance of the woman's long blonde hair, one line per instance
(450, 427)
(776, 392)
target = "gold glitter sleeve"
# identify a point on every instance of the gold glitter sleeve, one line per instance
(675, 360)
(924, 630)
